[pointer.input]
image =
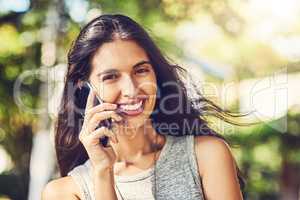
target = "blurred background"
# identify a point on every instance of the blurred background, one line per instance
(244, 55)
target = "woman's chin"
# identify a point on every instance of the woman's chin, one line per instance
(135, 122)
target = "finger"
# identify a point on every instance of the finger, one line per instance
(98, 117)
(103, 131)
(100, 108)
(90, 100)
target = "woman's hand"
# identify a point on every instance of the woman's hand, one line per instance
(102, 158)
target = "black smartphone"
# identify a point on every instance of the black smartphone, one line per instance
(107, 122)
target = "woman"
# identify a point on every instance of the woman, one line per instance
(160, 146)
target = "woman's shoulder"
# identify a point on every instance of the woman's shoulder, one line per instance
(61, 188)
(217, 168)
(210, 140)
(212, 151)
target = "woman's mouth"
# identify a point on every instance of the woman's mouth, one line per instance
(132, 109)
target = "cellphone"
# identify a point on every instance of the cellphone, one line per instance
(107, 122)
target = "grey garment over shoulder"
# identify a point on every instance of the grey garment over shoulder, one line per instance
(174, 176)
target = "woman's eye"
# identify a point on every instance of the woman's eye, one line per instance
(110, 77)
(142, 70)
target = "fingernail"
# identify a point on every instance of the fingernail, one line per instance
(119, 118)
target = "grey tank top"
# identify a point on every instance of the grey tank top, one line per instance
(174, 176)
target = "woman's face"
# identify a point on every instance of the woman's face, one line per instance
(123, 75)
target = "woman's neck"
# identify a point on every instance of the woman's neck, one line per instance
(133, 144)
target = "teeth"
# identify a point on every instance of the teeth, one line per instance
(131, 106)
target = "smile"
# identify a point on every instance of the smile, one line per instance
(132, 109)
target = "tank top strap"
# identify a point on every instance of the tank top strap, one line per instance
(190, 148)
(177, 176)
(82, 177)
(181, 145)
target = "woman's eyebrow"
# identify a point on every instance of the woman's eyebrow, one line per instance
(141, 63)
(115, 70)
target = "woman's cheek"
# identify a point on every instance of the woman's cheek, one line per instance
(149, 85)
(109, 93)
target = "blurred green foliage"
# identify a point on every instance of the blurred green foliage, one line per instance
(269, 158)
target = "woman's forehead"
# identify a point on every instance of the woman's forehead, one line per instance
(118, 54)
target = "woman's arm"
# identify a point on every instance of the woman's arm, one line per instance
(62, 188)
(65, 188)
(217, 169)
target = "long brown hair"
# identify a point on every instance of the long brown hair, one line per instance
(105, 28)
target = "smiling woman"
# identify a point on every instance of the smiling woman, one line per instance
(160, 145)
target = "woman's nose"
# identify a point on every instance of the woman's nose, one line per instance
(129, 88)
